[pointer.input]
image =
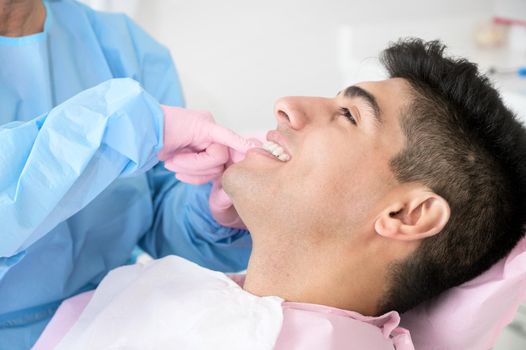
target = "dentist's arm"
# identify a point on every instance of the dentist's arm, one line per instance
(53, 166)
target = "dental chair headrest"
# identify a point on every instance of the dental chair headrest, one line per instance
(472, 315)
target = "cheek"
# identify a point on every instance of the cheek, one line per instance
(343, 182)
(321, 151)
(333, 163)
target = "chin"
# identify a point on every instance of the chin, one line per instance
(228, 180)
(248, 188)
(237, 180)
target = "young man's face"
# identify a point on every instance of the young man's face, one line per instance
(339, 167)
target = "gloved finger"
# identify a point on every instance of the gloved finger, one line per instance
(222, 208)
(178, 169)
(203, 114)
(218, 199)
(214, 172)
(236, 156)
(229, 138)
(182, 169)
(196, 180)
(211, 161)
(213, 156)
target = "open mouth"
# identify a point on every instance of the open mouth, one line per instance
(276, 150)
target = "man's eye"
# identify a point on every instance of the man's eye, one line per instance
(347, 114)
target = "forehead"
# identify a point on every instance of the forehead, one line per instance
(393, 97)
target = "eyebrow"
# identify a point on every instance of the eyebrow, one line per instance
(356, 91)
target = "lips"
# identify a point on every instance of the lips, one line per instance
(276, 137)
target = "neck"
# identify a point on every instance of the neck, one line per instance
(21, 17)
(316, 277)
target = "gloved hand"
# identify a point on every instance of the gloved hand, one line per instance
(195, 145)
(199, 151)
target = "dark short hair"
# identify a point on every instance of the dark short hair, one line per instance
(466, 146)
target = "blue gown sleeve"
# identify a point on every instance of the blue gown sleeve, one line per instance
(53, 166)
(182, 224)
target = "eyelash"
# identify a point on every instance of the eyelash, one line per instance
(347, 114)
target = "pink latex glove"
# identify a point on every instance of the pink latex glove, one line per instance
(194, 137)
(220, 203)
(198, 151)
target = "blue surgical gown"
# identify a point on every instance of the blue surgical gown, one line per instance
(80, 186)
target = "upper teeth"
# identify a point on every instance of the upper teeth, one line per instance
(276, 150)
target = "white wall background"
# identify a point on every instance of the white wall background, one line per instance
(236, 57)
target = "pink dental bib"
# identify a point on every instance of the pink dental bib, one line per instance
(299, 326)
(313, 327)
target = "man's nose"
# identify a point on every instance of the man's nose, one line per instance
(298, 111)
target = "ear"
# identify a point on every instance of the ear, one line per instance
(414, 215)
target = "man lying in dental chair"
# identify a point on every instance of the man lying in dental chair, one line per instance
(361, 207)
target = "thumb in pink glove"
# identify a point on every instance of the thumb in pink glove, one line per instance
(220, 203)
(199, 171)
(191, 170)
(222, 208)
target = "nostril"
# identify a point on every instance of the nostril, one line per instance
(284, 115)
